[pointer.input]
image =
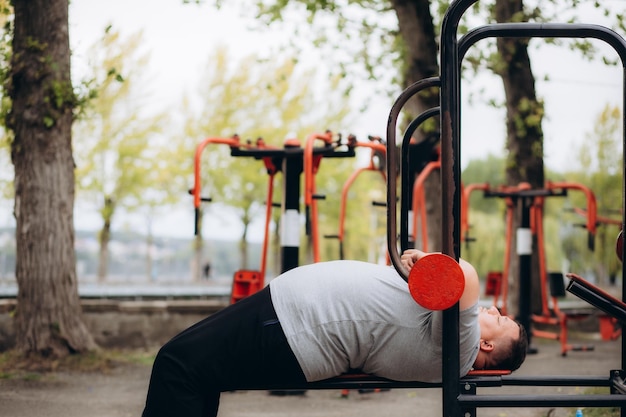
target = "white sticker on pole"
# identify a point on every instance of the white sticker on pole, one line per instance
(524, 241)
(290, 229)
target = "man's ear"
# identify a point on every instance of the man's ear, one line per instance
(486, 345)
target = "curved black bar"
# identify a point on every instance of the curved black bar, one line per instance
(392, 168)
(453, 15)
(405, 181)
(544, 30)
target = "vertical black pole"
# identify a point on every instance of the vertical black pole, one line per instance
(623, 409)
(290, 220)
(524, 251)
(450, 119)
(292, 167)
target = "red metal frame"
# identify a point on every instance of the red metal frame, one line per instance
(245, 282)
(376, 147)
(311, 166)
(419, 202)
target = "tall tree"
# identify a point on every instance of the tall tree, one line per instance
(48, 319)
(117, 143)
(524, 117)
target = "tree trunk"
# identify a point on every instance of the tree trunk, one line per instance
(104, 239)
(151, 273)
(198, 243)
(243, 245)
(418, 34)
(524, 133)
(103, 255)
(48, 318)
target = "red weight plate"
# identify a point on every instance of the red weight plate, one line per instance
(436, 282)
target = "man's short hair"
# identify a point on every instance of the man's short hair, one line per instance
(512, 354)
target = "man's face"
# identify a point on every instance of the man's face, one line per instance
(494, 326)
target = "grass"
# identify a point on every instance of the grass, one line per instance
(15, 365)
(600, 411)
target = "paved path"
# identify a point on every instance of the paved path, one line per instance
(121, 392)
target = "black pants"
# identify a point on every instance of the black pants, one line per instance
(242, 344)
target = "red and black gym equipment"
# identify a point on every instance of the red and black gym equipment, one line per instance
(291, 160)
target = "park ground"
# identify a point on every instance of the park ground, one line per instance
(119, 391)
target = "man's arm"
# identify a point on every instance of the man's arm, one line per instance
(472, 284)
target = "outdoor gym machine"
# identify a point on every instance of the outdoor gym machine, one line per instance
(291, 160)
(531, 202)
(554, 315)
(245, 282)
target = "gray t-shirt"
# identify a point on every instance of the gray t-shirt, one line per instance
(344, 315)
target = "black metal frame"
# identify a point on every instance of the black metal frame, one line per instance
(360, 381)
(453, 49)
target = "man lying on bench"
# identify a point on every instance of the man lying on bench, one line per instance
(319, 321)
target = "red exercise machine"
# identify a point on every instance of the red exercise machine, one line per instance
(552, 285)
(292, 160)
(245, 281)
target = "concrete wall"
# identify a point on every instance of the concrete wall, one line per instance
(126, 324)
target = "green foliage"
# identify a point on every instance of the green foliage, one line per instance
(484, 55)
(359, 37)
(598, 411)
(600, 159)
(58, 93)
(486, 250)
(116, 146)
(480, 171)
(6, 36)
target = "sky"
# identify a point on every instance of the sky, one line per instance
(181, 37)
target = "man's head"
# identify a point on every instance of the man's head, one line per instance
(503, 341)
